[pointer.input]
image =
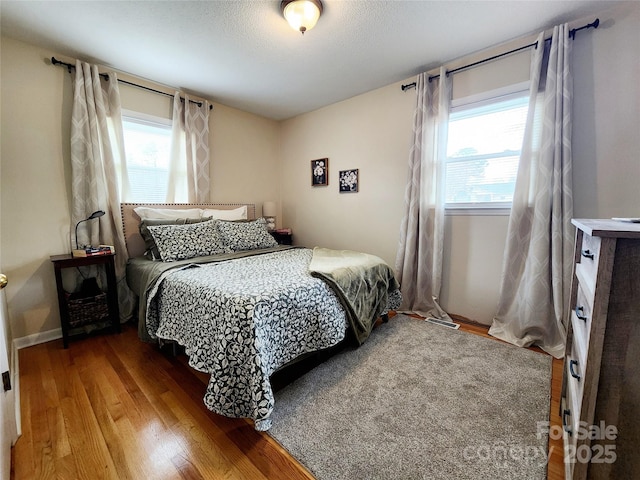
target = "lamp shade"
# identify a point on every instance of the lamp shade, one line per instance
(302, 15)
(96, 214)
(269, 209)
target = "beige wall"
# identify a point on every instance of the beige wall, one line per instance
(35, 173)
(370, 132)
(244, 169)
(606, 121)
(34, 183)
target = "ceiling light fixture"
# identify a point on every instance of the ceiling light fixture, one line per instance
(302, 15)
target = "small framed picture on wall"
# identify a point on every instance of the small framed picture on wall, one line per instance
(348, 180)
(320, 172)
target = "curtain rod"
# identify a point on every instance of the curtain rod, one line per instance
(55, 61)
(572, 36)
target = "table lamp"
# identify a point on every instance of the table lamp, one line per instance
(96, 214)
(269, 212)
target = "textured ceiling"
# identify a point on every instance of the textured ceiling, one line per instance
(243, 53)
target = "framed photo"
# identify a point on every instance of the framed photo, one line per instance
(319, 172)
(348, 180)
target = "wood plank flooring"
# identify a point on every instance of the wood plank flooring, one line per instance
(113, 407)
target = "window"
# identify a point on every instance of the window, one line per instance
(483, 149)
(147, 141)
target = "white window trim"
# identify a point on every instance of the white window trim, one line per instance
(491, 96)
(145, 118)
(478, 209)
(474, 101)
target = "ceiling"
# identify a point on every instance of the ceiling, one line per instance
(243, 53)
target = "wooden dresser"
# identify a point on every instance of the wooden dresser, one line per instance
(600, 405)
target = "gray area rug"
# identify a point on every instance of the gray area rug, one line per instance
(420, 401)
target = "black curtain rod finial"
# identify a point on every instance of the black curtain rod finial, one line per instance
(55, 61)
(594, 24)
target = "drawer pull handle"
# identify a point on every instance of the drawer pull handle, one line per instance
(580, 313)
(587, 254)
(565, 414)
(573, 363)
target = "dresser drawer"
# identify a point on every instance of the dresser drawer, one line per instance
(569, 425)
(581, 319)
(575, 367)
(587, 267)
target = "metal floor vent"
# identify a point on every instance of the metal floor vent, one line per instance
(442, 323)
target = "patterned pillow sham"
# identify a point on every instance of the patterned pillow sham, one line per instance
(246, 235)
(181, 242)
(151, 250)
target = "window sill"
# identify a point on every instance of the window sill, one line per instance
(477, 211)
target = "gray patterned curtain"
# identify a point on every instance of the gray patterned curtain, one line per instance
(419, 258)
(538, 258)
(190, 150)
(96, 146)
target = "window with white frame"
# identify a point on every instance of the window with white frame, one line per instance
(483, 149)
(147, 141)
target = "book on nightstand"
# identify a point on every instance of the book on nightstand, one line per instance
(93, 251)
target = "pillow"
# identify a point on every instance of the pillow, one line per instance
(239, 213)
(147, 213)
(151, 249)
(246, 235)
(180, 242)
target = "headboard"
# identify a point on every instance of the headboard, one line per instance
(131, 220)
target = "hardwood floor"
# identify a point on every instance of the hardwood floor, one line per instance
(113, 407)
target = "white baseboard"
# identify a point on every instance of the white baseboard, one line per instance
(15, 384)
(17, 344)
(37, 338)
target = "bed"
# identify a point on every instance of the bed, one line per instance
(211, 278)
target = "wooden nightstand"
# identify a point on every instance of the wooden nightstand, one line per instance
(69, 312)
(282, 238)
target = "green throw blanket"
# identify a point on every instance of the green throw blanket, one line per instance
(361, 281)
